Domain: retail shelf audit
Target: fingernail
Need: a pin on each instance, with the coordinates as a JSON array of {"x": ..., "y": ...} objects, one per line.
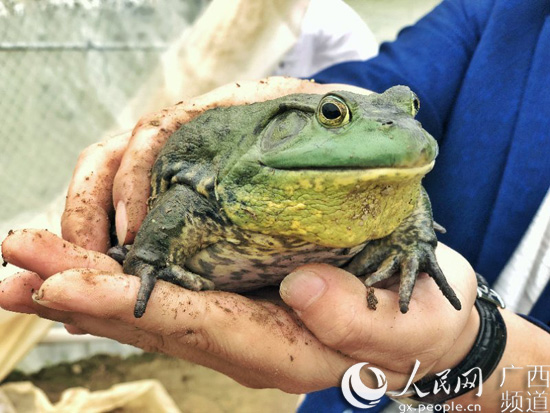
[
  {"x": 38, "y": 298},
  {"x": 121, "y": 222},
  {"x": 301, "y": 289}
]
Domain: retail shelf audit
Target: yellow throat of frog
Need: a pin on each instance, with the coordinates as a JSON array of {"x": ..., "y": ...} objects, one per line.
[{"x": 332, "y": 208}]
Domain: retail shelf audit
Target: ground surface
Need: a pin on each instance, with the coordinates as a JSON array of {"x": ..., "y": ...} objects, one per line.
[{"x": 193, "y": 388}]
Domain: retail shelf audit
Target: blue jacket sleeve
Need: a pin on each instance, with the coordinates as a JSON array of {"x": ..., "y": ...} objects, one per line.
[{"x": 431, "y": 57}]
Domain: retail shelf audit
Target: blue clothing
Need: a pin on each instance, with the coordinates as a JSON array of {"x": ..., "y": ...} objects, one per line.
[{"x": 481, "y": 69}]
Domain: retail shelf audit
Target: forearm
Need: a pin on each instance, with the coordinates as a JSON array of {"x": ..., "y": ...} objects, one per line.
[{"x": 527, "y": 349}]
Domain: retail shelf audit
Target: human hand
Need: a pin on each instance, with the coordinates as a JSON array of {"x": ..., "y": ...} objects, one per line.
[
  {"x": 115, "y": 173},
  {"x": 305, "y": 345}
]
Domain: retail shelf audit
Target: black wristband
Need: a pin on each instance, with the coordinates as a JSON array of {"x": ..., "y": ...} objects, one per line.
[{"x": 485, "y": 353}]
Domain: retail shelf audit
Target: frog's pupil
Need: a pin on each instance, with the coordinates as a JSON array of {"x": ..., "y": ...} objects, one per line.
[{"x": 331, "y": 111}]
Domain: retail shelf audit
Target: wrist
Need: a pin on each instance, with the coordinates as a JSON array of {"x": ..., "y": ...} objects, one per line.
[
  {"x": 462, "y": 346},
  {"x": 483, "y": 357}
]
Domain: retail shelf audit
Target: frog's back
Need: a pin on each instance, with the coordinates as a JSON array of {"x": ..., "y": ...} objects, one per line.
[{"x": 223, "y": 134}]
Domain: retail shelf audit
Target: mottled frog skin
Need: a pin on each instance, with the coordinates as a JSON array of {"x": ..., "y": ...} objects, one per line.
[{"x": 243, "y": 195}]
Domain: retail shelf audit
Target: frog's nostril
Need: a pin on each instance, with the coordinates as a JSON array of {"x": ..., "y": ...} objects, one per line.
[{"x": 387, "y": 123}]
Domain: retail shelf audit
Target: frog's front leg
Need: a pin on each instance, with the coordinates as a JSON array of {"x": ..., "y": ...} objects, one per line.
[
  {"x": 180, "y": 223},
  {"x": 410, "y": 249}
]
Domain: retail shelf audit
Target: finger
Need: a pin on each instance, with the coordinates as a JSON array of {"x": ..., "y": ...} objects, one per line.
[
  {"x": 113, "y": 296},
  {"x": 16, "y": 292},
  {"x": 333, "y": 305},
  {"x": 131, "y": 187},
  {"x": 45, "y": 253},
  {"x": 318, "y": 88},
  {"x": 85, "y": 220}
]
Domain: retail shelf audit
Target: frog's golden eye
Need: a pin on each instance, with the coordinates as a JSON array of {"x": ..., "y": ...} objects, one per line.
[{"x": 332, "y": 112}]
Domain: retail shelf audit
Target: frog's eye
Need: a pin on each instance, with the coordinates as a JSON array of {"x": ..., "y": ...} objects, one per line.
[
  {"x": 415, "y": 105},
  {"x": 332, "y": 112}
]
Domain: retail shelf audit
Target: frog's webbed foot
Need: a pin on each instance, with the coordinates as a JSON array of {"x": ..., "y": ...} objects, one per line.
[
  {"x": 186, "y": 279},
  {"x": 149, "y": 274},
  {"x": 410, "y": 249},
  {"x": 173, "y": 273},
  {"x": 386, "y": 259}
]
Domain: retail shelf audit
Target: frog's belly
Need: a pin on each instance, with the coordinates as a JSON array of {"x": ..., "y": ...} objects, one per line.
[{"x": 250, "y": 265}]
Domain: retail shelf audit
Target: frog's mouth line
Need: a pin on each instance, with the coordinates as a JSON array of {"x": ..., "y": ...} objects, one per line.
[{"x": 359, "y": 173}]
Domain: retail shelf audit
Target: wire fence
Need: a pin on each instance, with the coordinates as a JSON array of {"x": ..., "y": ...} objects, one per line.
[{"x": 67, "y": 68}]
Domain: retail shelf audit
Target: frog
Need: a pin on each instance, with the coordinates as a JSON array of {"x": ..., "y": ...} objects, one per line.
[{"x": 243, "y": 195}]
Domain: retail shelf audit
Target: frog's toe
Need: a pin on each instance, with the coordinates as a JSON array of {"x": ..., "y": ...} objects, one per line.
[
  {"x": 432, "y": 268},
  {"x": 388, "y": 268},
  {"x": 174, "y": 274},
  {"x": 186, "y": 279},
  {"x": 118, "y": 253},
  {"x": 409, "y": 272},
  {"x": 424, "y": 262},
  {"x": 148, "y": 278},
  {"x": 409, "y": 262},
  {"x": 369, "y": 259}
]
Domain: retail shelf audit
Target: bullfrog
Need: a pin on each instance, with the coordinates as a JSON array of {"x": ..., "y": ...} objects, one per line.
[{"x": 243, "y": 195}]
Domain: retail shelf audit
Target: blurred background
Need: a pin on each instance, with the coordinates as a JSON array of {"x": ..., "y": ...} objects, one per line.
[{"x": 75, "y": 71}]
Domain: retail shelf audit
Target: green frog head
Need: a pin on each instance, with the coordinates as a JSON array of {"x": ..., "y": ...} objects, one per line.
[{"x": 346, "y": 130}]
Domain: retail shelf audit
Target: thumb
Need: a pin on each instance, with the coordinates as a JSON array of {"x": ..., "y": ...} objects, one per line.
[{"x": 332, "y": 303}]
